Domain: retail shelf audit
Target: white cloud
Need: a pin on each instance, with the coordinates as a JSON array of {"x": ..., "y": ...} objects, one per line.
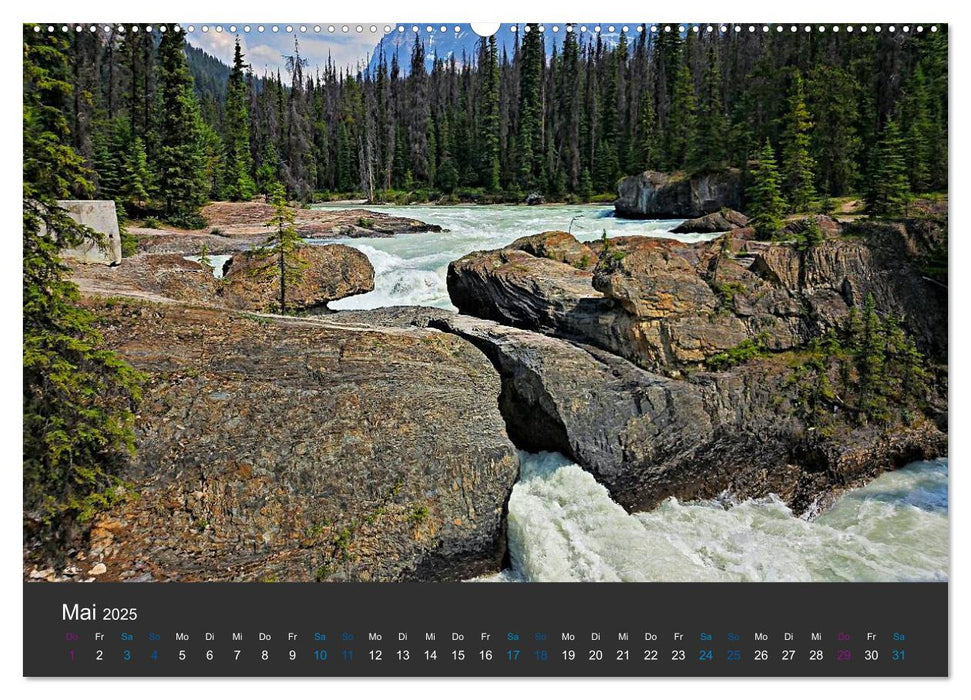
[{"x": 349, "y": 50}]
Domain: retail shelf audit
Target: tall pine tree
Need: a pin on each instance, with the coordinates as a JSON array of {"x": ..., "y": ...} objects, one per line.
[
  {"x": 889, "y": 191},
  {"x": 767, "y": 205},
  {"x": 239, "y": 183},
  {"x": 181, "y": 161},
  {"x": 797, "y": 164}
]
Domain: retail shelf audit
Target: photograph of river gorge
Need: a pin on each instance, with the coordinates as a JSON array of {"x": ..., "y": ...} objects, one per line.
[{"x": 569, "y": 302}]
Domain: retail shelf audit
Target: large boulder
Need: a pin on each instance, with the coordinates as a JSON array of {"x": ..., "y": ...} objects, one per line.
[
  {"x": 657, "y": 195},
  {"x": 557, "y": 245},
  {"x": 724, "y": 220},
  {"x": 330, "y": 272},
  {"x": 297, "y": 450}
]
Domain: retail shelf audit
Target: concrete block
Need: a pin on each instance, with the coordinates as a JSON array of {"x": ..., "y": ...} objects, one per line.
[{"x": 101, "y": 216}]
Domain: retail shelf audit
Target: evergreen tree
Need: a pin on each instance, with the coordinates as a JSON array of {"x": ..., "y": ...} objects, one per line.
[
  {"x": 530, "y": 135},
  {"x": 489, "y": 108},
  {"x": 299, "y": 171},
  {"x": 889, "y": 191},
  {"x": 832, "y": 97},
  {"x": 707, "y": 149},
  {"x": 281, "y": 252},
  {"x": 797, "y": 164},
  {"x": 679, "y": 131},
  {"x": 137, "y": 178},
  {"x": 767, "y": 205},
  {"x": 239, "y": 183},
  {"x": 268, "y": 174},
  {"x": 645, "y": 136},
  {"x": 871, "y": 364},
  {"x": 918, "y": 132},
  {"x": 182, "y": 178},
  {"x": 78, "y": 399}
]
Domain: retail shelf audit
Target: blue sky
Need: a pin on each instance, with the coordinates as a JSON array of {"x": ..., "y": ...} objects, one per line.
[{"x": 352, "y": 48}]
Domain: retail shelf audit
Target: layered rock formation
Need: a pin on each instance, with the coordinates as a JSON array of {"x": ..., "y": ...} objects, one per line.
[
  {"x": 286, "y": 449},
  {"x": 657, "y": 195},
  {"x": 647, "y": 437},
  {"x": 656, "y": 424},
  {"x": 238, "y": 226},
  {"x": 668, "y": 306}
]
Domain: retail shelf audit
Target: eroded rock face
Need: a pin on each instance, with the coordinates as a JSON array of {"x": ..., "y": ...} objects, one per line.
[
  {"x": 332, "y": 272},
  {"x": 667, "y": 306},
  {"x": 647, "y": 437},
  {"x": 657, "y": 195},
  {"x": 161, "y": 277},
  {"x": 295, "y": 450}
]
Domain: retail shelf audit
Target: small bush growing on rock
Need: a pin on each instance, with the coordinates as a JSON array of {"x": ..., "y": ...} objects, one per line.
[
  {"x": 811, "y": 235},
  {"x": 418, "y": 514},
  {"x": 342, "y": 543},
  {"x": 365, "y": 222},
  {"x": 726, "y": 294},
  {"x": 747, "y": 350},
  {"x": 129, "y": 244}
]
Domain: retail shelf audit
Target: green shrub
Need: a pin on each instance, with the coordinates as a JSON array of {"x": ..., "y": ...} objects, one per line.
[
  {"x": 129, "y": 244},
  {"x": 418, "y": 514},
  {"x": 151, "y": 222},
  {"x": 191, "y": 220},
  {"x": 747, "y": 350}
]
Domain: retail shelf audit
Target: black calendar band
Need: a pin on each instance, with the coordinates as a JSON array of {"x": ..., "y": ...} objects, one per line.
[{"x": 629, "y": 629}]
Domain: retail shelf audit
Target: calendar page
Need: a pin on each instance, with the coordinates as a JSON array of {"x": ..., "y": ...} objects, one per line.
[{"x": 449, "y": 349}]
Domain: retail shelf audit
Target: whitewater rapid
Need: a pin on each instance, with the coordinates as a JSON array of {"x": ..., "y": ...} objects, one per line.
[
  {"x": 563, "y": 526},
  {"x": 409, "y": 269}
]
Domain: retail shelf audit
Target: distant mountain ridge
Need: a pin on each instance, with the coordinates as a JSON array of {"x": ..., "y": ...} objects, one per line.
[{"x": 444, "y": 45}]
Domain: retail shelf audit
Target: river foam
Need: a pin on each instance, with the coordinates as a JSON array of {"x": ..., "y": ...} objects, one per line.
[
  {"x": 409, "y": 269},
  {"x": 563, "y": 526}
]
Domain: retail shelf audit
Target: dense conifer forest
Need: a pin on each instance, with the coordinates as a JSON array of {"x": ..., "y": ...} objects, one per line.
[{"x": 164, "y": 127}]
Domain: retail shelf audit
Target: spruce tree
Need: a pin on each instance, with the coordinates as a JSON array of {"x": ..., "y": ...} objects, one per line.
[
  {"x": 918, "y": 132},
  {"x": 797, "y": 164},
  {"x": 78, "y": 399},
  {"x": 137, "y": 178},
  {"x": 680, "y": 129},
  {"x": 530, "y": 140},
  {"x": 182, "y": 181},
  {"x": 280, "y": 254},
  {"x": 489, "y": 108},
  {"x": 707, "y": 148},
  {"x": 299, "y": 172},
  {"x": 767, "y": 205},
  {"x": 239, "y": 183},
  {"x": 645, "y": 146},
  {"x": 832, "y": 97},
  {"x": 889, "y": 191}
]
